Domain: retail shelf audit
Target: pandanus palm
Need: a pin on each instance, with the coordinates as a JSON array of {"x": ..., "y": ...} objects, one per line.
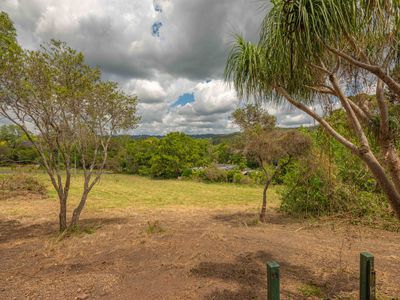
[{"x": 309, "y": 49}]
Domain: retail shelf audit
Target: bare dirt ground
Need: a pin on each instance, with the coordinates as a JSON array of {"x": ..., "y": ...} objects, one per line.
[{"x": 200, "y": 254}]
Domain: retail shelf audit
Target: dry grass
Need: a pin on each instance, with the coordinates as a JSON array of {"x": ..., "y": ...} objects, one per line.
[{"x": 203, "y": 243}]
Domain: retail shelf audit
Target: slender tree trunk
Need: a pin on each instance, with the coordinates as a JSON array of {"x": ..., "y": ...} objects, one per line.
[
  {"x": 264, "y": 203},
  {"x": 394, "y": 166},
  {"x": 63, "y": 214},
  {"x": 392, "y": 161},
  {"x": 384, "y": 180},
  {"x": 78, "y": 210}
]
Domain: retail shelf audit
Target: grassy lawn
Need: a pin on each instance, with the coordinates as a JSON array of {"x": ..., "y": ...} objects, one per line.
[{"x": 123, "y": 191}]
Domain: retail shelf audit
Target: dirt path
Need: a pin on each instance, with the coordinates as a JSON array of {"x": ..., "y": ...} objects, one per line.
[{"x": 201, "y": 254}]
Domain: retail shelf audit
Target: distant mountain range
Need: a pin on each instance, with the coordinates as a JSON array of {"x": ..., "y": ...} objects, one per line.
[
  {"x": 216, "y": 138},
  {"x": 195, "y": 136}
]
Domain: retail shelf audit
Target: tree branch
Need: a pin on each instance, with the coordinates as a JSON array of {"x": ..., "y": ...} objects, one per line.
[{"x": 318, "y": 118}]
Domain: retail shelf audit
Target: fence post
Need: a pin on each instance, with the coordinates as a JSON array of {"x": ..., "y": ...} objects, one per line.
[
  {"x": 273, "y": 280},
  {"x": 367, "y": 276}
]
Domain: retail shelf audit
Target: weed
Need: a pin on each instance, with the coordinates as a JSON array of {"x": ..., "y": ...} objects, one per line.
[
  {"x": 310, "y": 290},
  {"x": 154, "y": 227},
  {"x": 76, "y": 231},
  {"x": 22, "y": 183}
]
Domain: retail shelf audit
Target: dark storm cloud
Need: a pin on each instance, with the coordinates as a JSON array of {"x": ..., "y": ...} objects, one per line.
[
  {"x": 189, "y": 48},
  {"x": 117, "y": 35}
]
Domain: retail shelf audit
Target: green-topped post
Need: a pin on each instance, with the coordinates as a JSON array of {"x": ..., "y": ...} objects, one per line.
[
  {"x": 367, "y": 276},
  {"x": 273, "y": 280}
]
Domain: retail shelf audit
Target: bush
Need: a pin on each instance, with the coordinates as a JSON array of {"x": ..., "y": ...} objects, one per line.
[
  {"x": 213, "y": 174},
  {"x": 311, "y": 188},
  {"x": 258, "y": 177},
  {"x": 22, "y": 183},
  {"x": 237, "y": 177},
  {"x": 306, "y": 191},
  {"x": 187, "y": 173}
]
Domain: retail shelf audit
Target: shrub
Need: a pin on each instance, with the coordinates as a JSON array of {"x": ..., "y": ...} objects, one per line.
[
  {"x": 237, "y": 177},
  {"x": 311, "y": 188},
  {"x": 187, "y": 173},
  {"x": 22, "y": 183},
  {"x": 233, "y": 175},
  {"x": 306, "y": 191},
  {"x": 214, "y": 174},
  {"x": 245, "y": 180},
  {"x": 257, "y": 177}
]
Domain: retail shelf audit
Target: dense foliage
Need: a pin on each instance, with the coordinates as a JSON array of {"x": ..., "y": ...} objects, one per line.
[{"x": 330, "y": 180}]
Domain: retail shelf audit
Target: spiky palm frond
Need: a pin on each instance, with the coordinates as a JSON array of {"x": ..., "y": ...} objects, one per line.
[
  {"x": 294, "y": 36},
  {"x": 246, "y": 68}
]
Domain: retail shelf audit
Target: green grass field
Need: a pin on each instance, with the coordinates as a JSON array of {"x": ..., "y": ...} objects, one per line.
[{"x": 122, "y": 191}]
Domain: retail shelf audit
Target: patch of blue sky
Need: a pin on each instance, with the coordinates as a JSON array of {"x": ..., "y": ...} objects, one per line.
[
  {"x": 184, "y": 99},
  {"x": 155, "y": 28}
]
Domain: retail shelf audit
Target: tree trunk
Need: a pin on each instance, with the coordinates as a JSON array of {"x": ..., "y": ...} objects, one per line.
[
  {"x": 77, "y": 211},
  {"x": 264, "y": 203},
  {"x": 392, "y": 161},
  {"x": 63, "y": 214},
  {"x": 384, "y": 181}
]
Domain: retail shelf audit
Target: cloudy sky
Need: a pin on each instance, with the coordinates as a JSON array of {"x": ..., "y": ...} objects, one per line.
[{"x": 170, "y": 53}]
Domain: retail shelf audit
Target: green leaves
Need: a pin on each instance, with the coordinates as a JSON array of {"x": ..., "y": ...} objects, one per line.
[
  {"x": 295, "y": 36},
  {"x": 8, "y": 34},
  {"x": 245, "y": 67}
]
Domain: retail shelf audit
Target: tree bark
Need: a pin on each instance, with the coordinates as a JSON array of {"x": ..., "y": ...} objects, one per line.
[
  {"x": 63, "y": 214},
  {"x": 392, "y": 161},
  {"x": 264, "y": 203},
  {"x": 385, "y": 139},
  {"x": 78, "y": 210},
  {"x": 393, "y": 85},
  {"x": 384, "y": 181}
]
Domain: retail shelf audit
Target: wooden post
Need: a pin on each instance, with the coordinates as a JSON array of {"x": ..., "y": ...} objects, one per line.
[
  {"x": 367, "y": 276},
  {"x": 273, "y": 280}
]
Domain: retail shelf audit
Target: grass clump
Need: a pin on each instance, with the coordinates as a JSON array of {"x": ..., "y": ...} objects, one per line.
[
  {"x": 17, "y": 183},
  {"x": 310, "y": 290},
  {"x": 76, "y": 231},
  {"x": 154, "y": 227}
]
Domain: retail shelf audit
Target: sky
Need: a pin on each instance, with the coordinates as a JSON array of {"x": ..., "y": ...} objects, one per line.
[{"x": 170, "y": 53}]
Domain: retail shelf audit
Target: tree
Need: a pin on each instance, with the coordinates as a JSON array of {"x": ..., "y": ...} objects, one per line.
[
  {"x": 269, "y": 146},
  {"x": 324, "y": 51},
  {"x": 176, "y": 152},
  {"x": 139, "y": 154},
  {"x": 64, "y": 108}
]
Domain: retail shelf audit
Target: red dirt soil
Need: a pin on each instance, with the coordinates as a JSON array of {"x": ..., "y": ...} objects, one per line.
[{"x": 200, "y": 254}]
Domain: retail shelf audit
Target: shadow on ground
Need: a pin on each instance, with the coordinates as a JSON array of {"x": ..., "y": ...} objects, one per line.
[
  {"x": 251, "y": 219},
  {"x": 15, "y": 230},
  {"x": 249, "y": 272}
]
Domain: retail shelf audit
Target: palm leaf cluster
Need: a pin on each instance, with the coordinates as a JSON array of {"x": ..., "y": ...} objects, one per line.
[{"x": 297, "y": 34}]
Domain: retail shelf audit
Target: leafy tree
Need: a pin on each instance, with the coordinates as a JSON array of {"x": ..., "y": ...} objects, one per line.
[
  {"x": 326, "y": 51},
  {"x": 176, "y": 152},
  {"x": 226, "y": 153},
  {"x": 272, "y": 148},
  {"x": 64, "y": 108},
  {"x": 139, "y": 155}
]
